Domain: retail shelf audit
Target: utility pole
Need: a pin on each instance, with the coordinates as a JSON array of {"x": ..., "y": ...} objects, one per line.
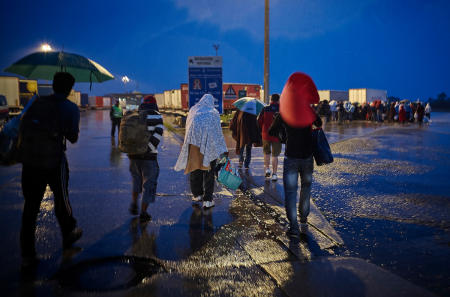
[
  {"x": 266, "y": 53},
  {"x": 216, "y": 47}
]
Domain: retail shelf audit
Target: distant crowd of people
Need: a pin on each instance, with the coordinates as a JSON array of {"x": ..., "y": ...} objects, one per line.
[{"x": 376, "y": 111}]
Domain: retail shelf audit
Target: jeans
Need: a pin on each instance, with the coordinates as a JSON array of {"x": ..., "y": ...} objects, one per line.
[
  {"x": 292, "y": 167},
  {"x": 248, "y": 155},
  {"x": 145, "y": 174},
  {"x": 202, "y": 182}
]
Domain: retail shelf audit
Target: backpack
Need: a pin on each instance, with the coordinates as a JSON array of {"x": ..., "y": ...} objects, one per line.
[
  {"x": 134, "y": 135},
  {"x": 9, "y": 137},
  {"x": 41, "y": 142}
]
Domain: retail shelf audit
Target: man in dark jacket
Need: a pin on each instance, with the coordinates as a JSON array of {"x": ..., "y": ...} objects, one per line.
[
  {"x": 271, "y": 144},
  {"x": 144, "y": 168},
  {"x": 45, "y": 126},
  {"x": 245, "y": 131}
]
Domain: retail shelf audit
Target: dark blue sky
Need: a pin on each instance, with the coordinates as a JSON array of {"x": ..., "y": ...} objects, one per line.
[{"x": 400, "y": 46}]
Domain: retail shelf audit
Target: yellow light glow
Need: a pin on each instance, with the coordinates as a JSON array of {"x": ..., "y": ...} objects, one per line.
[{"x": 45, "y": 47}]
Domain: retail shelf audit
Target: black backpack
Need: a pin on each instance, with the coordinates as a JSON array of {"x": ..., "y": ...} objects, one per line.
[{"x": 41, "y": 142}]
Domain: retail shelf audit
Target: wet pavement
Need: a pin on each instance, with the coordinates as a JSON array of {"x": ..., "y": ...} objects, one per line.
[{"x": 384, "y": 201}]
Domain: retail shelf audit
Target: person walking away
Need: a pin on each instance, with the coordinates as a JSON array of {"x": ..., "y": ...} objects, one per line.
[
  {"x": 428, "y": 111},
  {"x": 420, "y": 110},
  {"x": 271, "y": 144},
  {"x": 203, "y": 145},
  {"x": 402, "y": 115},
  {"x": 144, "y": 168},
  {"x": 324, "y": 111},
  {"x": 296, "y": 118},
  {"x": 115, "y": 114},
  {"x": 245, "y": 131},
  {"x": 45, "y": 126}
]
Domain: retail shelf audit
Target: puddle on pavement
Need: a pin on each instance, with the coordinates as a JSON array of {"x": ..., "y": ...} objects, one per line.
[{"x": 108, "y": 274}]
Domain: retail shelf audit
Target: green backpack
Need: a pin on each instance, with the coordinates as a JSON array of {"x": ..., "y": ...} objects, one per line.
[{"x": 134, "y": 135}]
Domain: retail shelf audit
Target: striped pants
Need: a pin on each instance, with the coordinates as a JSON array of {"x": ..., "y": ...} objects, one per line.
[{"x": 34, "y": 183}]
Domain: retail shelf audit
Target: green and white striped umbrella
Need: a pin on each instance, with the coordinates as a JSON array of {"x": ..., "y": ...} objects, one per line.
[
  {"x": 250, "y": 105},
  {"x": 44, "y": 65}
]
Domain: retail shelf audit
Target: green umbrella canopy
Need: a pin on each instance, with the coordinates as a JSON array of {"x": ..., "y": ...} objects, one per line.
[{"x": 44, "y": 65}]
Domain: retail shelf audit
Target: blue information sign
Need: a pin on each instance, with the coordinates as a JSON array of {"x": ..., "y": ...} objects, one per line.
[{"x": 205, "y": 77}]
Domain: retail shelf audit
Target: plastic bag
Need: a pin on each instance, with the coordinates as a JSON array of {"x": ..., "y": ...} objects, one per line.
[{"x": 228, "y": 175}]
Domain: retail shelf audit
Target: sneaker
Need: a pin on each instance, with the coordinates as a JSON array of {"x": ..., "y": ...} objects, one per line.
[
  {"x": 208, "y": 204},
  {"x": 197, "y": 198},
  {"x": 274, "y": 177},
  {"x": 303, "y": 228},
  {"x": 72, "y": 237},
  {"x": 133, "y": 209},
  {"x": 293, "y": 233},
  {"x": 144, "y": 217},
  {"x": 268, "y": 173}
]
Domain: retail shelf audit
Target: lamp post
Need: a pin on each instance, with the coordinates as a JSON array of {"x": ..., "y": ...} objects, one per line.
[
  {"x": 216, "y": 47},
  {"x": 266, "y": 53}
]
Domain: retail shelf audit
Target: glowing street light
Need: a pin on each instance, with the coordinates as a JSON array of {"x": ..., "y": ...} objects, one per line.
[
  {"x": 125, "y": 79},
  {"x": 45, "y": 47}
]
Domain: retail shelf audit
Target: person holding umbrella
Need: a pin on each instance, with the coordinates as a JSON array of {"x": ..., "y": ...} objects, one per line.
[
  {"x": 45, "y": 126},
  {"x": 245, "y": 129},
  {"x": 296, "y": 117}
]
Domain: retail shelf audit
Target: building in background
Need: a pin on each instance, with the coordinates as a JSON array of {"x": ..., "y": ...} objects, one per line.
[
  {"x": 362, "y": 96},
  {"x": 331, "y": 95}
]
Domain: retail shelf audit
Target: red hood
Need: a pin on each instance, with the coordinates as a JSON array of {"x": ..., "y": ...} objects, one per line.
[{"x": 298, "y": 94}]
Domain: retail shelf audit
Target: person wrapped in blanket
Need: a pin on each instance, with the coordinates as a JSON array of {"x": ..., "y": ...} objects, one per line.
[{"x": 203, "y": 145}]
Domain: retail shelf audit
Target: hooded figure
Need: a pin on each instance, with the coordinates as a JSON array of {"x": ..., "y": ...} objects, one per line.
[
  {"x": 298, "y": 94},
  {"x": 245, "y": 131},
  {"x": 203, "y": 144}
]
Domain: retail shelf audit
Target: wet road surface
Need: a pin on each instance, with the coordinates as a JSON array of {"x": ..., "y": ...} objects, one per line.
[{"x": 237, "y": 248}]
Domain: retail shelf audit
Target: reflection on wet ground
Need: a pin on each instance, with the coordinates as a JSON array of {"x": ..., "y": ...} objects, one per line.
[{"x": 386, "y": 195}]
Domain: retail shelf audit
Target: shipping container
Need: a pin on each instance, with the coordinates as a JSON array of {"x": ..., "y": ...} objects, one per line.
[
  {"x": 167, "y": 100},
  {"x": 74, "y": 96},
  {"x": 184, "y": 96},
  {"x": 92, "y": 101},
  {"x": 9, "y": 87},
  {"x": 234, "y": 91},
  {"x": 98, "y": 101},
  {"x": 27, "y": 89},
  {"x": 362, "y": 96},
  {"x": 84, "y": 100},
  {"x": 45, "y": 89},
  {"x": 175, "y": 96},
  {"x": 106, "y": 102},
  {"x": 160, "y": 100},
  {"x": 331, "y": 95}
]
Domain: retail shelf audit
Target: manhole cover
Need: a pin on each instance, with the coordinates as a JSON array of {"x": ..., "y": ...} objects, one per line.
[{"x": 108, "y": 274}]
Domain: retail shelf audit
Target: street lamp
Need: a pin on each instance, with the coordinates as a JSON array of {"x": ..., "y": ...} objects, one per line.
[
  {"x": 216, "y": 47},
  {"x": 125, "y": 79},
  {"x": 266, "y": 53},
  {"x": 45, "y": 47}
]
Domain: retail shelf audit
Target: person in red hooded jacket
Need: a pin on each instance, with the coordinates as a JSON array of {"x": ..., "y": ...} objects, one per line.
[
  {"x": 296, "y": 118},
  {"x": 271, "y": 144}
]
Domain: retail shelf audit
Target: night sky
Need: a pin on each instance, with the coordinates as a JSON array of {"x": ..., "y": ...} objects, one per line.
[{"x": 400, "y": 46}]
